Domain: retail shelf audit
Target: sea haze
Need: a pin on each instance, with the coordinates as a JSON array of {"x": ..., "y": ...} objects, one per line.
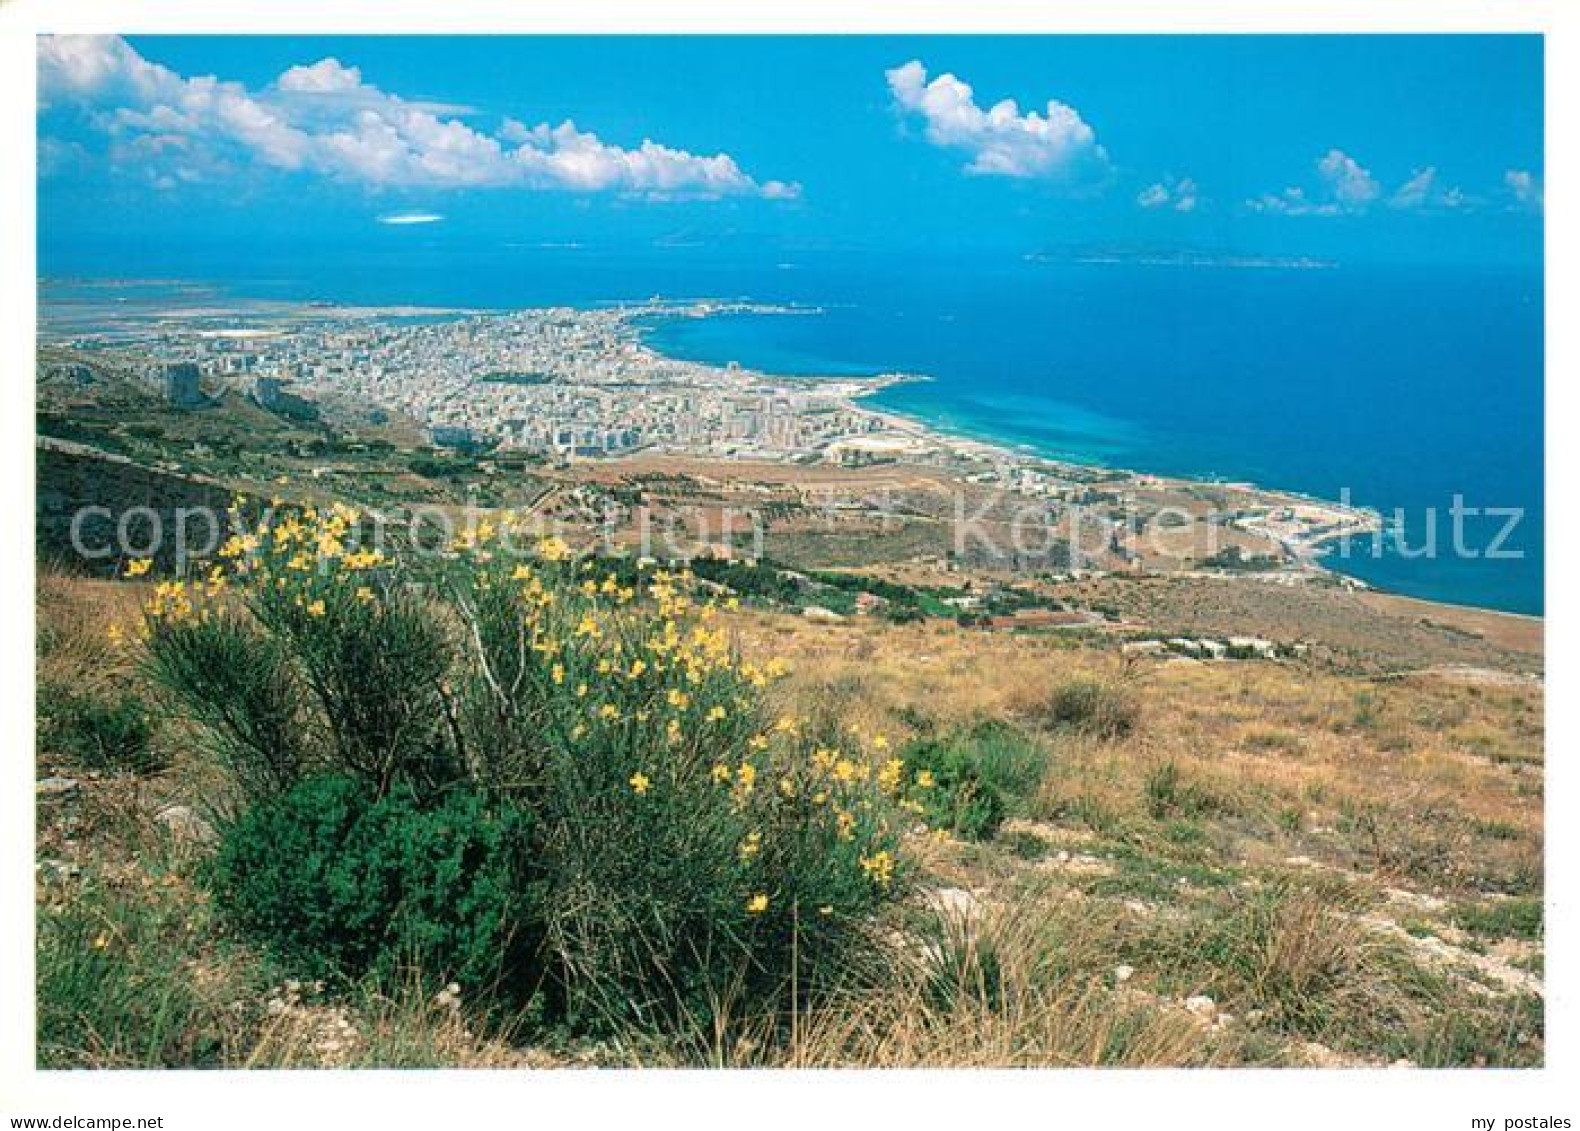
[{"x": 1403, "y": 386}]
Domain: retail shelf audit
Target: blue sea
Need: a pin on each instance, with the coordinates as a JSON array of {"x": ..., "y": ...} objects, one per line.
[{"x": 1398, "y": 388}]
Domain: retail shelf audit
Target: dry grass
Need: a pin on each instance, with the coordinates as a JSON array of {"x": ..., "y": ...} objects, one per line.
[{"x": 1327, "y": 856}]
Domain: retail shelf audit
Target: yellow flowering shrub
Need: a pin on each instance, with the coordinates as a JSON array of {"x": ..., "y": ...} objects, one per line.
[{"x": 690, "y": 846}]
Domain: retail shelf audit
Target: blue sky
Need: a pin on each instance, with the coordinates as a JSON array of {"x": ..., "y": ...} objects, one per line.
[{"x": 1409, "y": 149}]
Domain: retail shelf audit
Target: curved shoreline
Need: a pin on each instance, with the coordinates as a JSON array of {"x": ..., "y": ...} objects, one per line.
[{"x": 1306, "y": 552}]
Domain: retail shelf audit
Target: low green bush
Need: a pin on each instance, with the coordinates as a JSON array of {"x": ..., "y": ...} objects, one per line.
[
  {"x": 337, "y": 881},
  {"x": 1092, "y": 707},
  {"x": 104, "y": 734},
  {"x": 970, "y": 779}
]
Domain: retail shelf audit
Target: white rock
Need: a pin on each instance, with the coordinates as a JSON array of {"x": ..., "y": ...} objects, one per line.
[
  {"x": 55, "y": 787},
  {"x": 1123, "y": 974},
  {"x": 1202, "y": 1006}
]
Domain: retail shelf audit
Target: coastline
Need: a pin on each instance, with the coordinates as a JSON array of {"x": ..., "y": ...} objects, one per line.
[
  {"x": 1306, "y": 551},
  {"x": 1315, "y": 523}
]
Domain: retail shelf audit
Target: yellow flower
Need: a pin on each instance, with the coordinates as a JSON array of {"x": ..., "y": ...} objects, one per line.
[
  {"x": 746, "y": 776},
  {"x": 751, "y": 845},
  {"x": 557, "y": 673},
  {"x": 879, "y": 867},
  {"x": 139, "y": 566},
  {"x": 637, "y": 668},
  {"x": 364, "y": 593},
  {"x": 721, "y": 772},
  {"x": 116, "y": 635},
  {"x": 678, "y": 699},
  {"x": 716, "y": 715},
  {"x": 101, "y": 940},
  {"x": 608, "y": 711},
  {"x": 826, "y": 909},
  {"x": 880, "y": 742},
  {"x": 925, "y": 779},
  {"x": 640, "y": 783},
  {"x": 553, "y": 550},
  {"x": 757, "y": 904},
  {"x": 316, "y": 608},
  {"x": 889, "y": 775}
]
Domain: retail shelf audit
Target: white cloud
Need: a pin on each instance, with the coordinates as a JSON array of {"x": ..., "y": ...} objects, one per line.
[
  {"x": 1153, "y": 196},
  {"x": 1523, "y": 187},
  {"x": 1181, "y": 195},
  {"x": 399, "y": 218},
  {"x": 327, "y": 76},
  {"x": 1352, "y": 186},
  {"x": 1346, "y": 188},
  {"x": 1424, "y": 190},
  {"x": 325, "y": 119},
  {"x": 1001, "y": 141},
  {"x": 1291, "y": 202}
]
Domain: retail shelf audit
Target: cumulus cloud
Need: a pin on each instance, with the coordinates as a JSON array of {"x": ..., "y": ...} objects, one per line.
[
  {"x": 1000, "y": 141},
  {"x": 1346, "y": 187},
  {"x": 1180, "y": 195},
  {"x": 325, "y": 119},
  {"x": 1351, "y": 185},
  {"x": 1524, "y": 189}
]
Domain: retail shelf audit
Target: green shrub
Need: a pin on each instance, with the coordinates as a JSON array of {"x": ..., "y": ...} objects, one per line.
[
  {"x": 1102, "y": 710},
  {"x": 1010, "y": 761},
  {"x": 340, "y": 882},
  {"x": 544, "y": 751},
  {"x": 238, "y": 684},
  {"x": 968, "y": 780},
  {"x": 372, "y": 660},
  {"x": 104, "y": 734}
]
